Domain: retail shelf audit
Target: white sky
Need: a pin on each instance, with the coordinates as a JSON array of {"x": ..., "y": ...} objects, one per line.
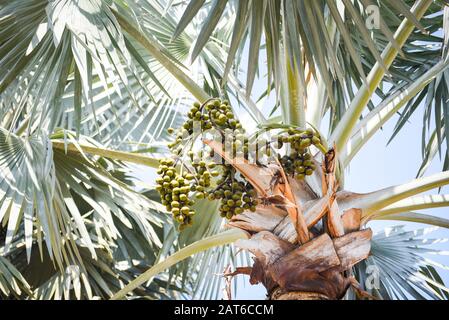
[{"x": 376, "y": 166}]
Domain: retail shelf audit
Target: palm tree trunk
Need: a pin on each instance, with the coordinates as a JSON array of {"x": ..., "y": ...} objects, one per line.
[
  {"x": 279, "y": 294},
  {"x": 313, "y": 270}
]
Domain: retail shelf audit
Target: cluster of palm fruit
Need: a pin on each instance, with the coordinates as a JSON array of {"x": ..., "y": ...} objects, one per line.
[
  {"x": 206, "y": 179},
  {"x": 237, "y": 143},
  {"x": 299, "y": 162},
  {"x": 221, "y": 181},
  {"x": 220, "y": 114},
  {"x": 203, "y": 174},
  {"x": 174, "y": 191},
  {"x": 214, "y": 113},
  {"x": 235, "y": 193}
]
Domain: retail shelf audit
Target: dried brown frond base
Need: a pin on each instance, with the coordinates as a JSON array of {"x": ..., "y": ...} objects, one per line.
[
  {"x": 316, "y": 269},
  {"x": 304, "y": 244}
]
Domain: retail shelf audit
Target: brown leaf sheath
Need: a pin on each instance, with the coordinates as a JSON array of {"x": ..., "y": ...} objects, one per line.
[
  {"x": 351, "y": 219},
  {"x": 261, "y": 178},
  {"x": 315, "y": 267},
  {"x": 295, "y": 213}
]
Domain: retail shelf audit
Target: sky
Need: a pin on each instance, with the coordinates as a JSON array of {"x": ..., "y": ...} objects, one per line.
[
  {"x": 376, "y": 166},
  {"x": 379, "y": 165}
]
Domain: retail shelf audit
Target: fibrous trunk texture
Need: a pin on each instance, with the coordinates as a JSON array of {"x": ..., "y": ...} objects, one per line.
[
  {"x": 317, "y": 267},
  {"x": 279, "y": 294}
]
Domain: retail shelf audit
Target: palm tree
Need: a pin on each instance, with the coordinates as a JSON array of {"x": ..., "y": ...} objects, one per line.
[{"x": 89, "y": 88}]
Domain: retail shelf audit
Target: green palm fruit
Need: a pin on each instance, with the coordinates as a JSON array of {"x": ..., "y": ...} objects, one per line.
[
  {"x": 308, "y": 163},
  {"x": 305, "y": 143},
  {"x": 300, "y": 169},
  {"x": 185, "y": 210},
  {"x": 200, "y": 195},
  {"x": 236, "y": 196},
  {"x": 222, "y": 118},
  {"x": 232, "y": 188},
  {"x": 215, "y": 173},
  {"x": 268, "y": 152}
]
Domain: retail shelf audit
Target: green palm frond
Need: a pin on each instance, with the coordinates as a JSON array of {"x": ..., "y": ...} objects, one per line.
[
  {"x": 331, "y": 37},
  {"x": 201, "y": 275},
  {"x": 306, "y": 27},
  {"x": 435, "y": 129},
  {"x": 12, "y": 282},
  {"x": 435, "y": 281},
  {"x": 397, "y": 259},
  {"x": 56, "y": 194},
  {"x": 88, "y": 278},
  {"x": 421, "y": 53},
  {"x": 160, "y": 24},
  {"x": 66, "y": 46},
  {"x": 204, "y": 271},
  {"x": 113, "y": 75}
]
